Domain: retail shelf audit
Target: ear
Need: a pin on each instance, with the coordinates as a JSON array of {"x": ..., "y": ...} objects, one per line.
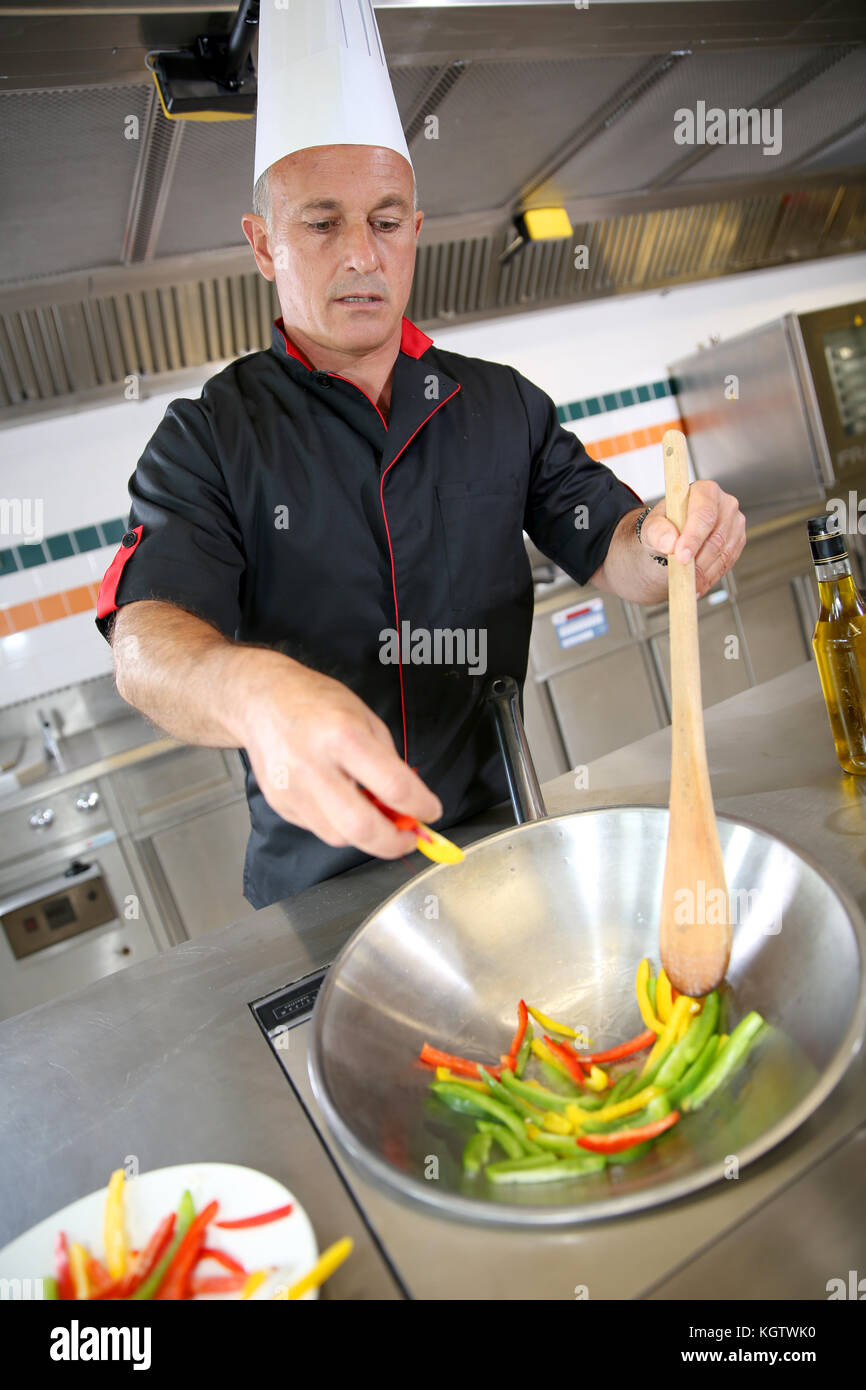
[
  {"x": 256, "y": 234},
  {"x": 419, "y": 218}
]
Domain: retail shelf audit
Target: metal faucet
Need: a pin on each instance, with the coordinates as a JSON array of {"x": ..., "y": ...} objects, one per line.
[{"x": 49, "y": 742}]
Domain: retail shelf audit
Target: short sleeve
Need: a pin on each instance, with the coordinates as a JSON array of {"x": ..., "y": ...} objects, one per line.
[
  {"x": 573, "y": 503},
  {"x": 188, "y": 548}
]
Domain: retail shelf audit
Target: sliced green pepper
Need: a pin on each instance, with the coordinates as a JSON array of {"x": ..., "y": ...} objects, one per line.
[
  {"x": 476, "y": 1153},
  {"x": 702, "y": 1027},
  {"x": 524, "y": 1052},
  {"x": 729, "y": 1057},
  {"x": 620, "y": 1088},
  {"x": 508, "y": 1096},
  {"x": 485, "y": 1105},
  {"x": 510, "y": 1145},
  {"x": 539, "y": 1096},
  {"x": 696, "y": 1072},
  {"x": 629, "y": 1155},
  {"x": 185, "y": 1218},
  {"x": 462, "y": 1104},
  {"x": 551, "y": 1170}
]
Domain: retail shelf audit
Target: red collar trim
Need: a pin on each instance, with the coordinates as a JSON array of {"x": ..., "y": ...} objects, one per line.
[{"x": 412, "y": 341}]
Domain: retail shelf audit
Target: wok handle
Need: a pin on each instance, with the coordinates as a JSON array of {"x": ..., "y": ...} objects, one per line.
[{"x": 523, "y": 782}]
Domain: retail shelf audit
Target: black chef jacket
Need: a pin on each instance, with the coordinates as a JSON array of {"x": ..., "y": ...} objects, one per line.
[{"x": 281, "y": 508}]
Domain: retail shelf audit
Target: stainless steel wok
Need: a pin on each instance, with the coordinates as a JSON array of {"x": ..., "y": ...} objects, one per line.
[{"x": 560, "y": 910}]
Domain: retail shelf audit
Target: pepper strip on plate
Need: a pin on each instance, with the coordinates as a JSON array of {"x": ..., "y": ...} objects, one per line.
[
  {"x": 65, "y": 1287},
  {"x": 324, "y": 1267},
  {"x": 222, "y": 1257},
  {"x": 114, "y": 1233},
  {"x": 185, "y": 1216},
  {"x": 175, "y": 1284},
  {"x": 264, "y": 1218},
  {"x": 627, "y": 1138}
]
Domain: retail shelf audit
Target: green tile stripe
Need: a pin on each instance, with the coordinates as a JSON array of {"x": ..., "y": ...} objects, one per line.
[
  {"x": 61, "y": 546},
  {"x": 614, "y": 400}
]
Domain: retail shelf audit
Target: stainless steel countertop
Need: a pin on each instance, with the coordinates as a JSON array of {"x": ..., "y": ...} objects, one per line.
[{"x": 165, "y": 1061}]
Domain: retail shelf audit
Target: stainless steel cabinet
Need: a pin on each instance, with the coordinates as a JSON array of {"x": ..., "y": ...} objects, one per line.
[
  {"x": 773, "y": 631},
  {"x": 601, "y": 705},
  {"x": 172, "y": 787},
  {"x": 196, "y": 869},
  {"x": 722, "y": 674}
]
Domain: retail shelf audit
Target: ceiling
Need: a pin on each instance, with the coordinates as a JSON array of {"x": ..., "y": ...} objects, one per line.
[{"x": 124, "y": 256}]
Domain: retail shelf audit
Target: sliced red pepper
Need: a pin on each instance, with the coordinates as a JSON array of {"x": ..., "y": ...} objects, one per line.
[
  {"x": 508, "y": 1062},
  {"x": 218, "y": 1283},
  {"x": 222, "y": 1258},
  {"x": 262, "y": 1219},
  {"x": 143, "y": 1263},
  {"x": 65, "y": 1287},
  {"x": 522, "y": 1021},
  {"x": 175, "y": 1284},
  {"x": 98, "y": 1278},
  {"x": 627, "y": 1138},
  {"x": 568, "y": 1059},
  {"x": 614, "y": 1054},
  {"x": 432, "y": 1057}
]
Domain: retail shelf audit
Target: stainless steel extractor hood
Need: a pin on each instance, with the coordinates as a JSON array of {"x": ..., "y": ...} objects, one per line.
[{"x": 120, "y": 245}]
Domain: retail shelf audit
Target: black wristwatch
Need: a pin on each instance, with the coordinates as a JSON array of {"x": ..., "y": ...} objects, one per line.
[{"x": 639, "y": 521}]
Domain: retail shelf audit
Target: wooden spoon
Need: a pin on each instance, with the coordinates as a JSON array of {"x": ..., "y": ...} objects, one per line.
[{"x": 695, "y": 928}]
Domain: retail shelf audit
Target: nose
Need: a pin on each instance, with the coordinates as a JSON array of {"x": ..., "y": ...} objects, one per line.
[{"x": 359, "y": 248}]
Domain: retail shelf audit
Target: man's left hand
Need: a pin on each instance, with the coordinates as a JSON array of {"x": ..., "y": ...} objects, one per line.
[{"x": 714, "y": 533}]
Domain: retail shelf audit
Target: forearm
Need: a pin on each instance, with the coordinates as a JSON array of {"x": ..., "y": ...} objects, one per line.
[
  {"x": 629, "y": 569},
  {"x": 186, "y": 677}
]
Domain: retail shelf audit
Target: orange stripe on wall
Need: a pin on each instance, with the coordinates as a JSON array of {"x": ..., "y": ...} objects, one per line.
[
  {"x": 601, "y": 449},
  {"x": 18, "y": 617}
]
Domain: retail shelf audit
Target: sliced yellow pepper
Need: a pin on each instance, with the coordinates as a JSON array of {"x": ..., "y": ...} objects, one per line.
[
  {"x": 694, "y": 1008},
  {"x": 664, "y": 997},
  {"x": 78, "y": 1270},
  {"x": 257, "y": 1277},
  {"x": 643, "y": 999},
  {"x": 680, "y": 1010},
  {"x": 446, "y": 1074},
  {"x": 613, "y": 1112},
  {"x": 551, "y": 1025},
  {"x": 597, "y": 1080},
  {"x": 322, "y": 1269},
  {"x": 555, "y": 1123},
  {"x": 114, "y": 1233}
]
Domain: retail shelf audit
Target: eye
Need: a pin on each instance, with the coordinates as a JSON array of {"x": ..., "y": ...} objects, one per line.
[
  {"x": 320, "y": 226},
  {"x": 387, "y": 225}
]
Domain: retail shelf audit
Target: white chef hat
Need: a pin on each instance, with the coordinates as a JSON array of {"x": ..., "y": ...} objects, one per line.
[{"x": 322, "y": 80}]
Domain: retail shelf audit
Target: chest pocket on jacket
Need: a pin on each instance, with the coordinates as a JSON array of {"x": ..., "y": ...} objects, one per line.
[{"x": 483, "y": 535}]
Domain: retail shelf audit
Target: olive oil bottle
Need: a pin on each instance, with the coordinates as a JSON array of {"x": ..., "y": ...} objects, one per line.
[{"x": 839, "y": 642}]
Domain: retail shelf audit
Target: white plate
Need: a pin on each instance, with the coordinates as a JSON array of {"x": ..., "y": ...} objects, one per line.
[{"x": 289, "y": 1243}]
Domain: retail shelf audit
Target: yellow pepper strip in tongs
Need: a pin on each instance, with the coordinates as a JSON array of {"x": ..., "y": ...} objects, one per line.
[
  {"x": 114, "y": 1232},
  {"x": 551, "y": 1026},
  {"x": 324, "y": 1267},
  {"x": 78, "y": 1270},
  {"x": 643, "y": 999},
  {"x": 446, "y": 1074}
]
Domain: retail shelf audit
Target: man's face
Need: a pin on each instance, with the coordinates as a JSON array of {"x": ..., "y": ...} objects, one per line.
[{"x": 341, "y": 244}]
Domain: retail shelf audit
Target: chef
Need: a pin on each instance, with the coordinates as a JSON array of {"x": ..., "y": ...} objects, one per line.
[{"x": 325, "y": 562}]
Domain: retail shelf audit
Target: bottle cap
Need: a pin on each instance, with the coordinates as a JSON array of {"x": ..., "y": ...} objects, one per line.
[{"x": 826, "y": 541}]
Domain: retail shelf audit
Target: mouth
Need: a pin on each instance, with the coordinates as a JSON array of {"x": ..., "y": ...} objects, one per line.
[{"x": 360, "y": 299}]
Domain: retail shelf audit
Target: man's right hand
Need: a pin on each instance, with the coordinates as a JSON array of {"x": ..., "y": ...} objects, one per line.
[
  {"x": 310, "y": 741},
  {"x": 309, "y": 738}
]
